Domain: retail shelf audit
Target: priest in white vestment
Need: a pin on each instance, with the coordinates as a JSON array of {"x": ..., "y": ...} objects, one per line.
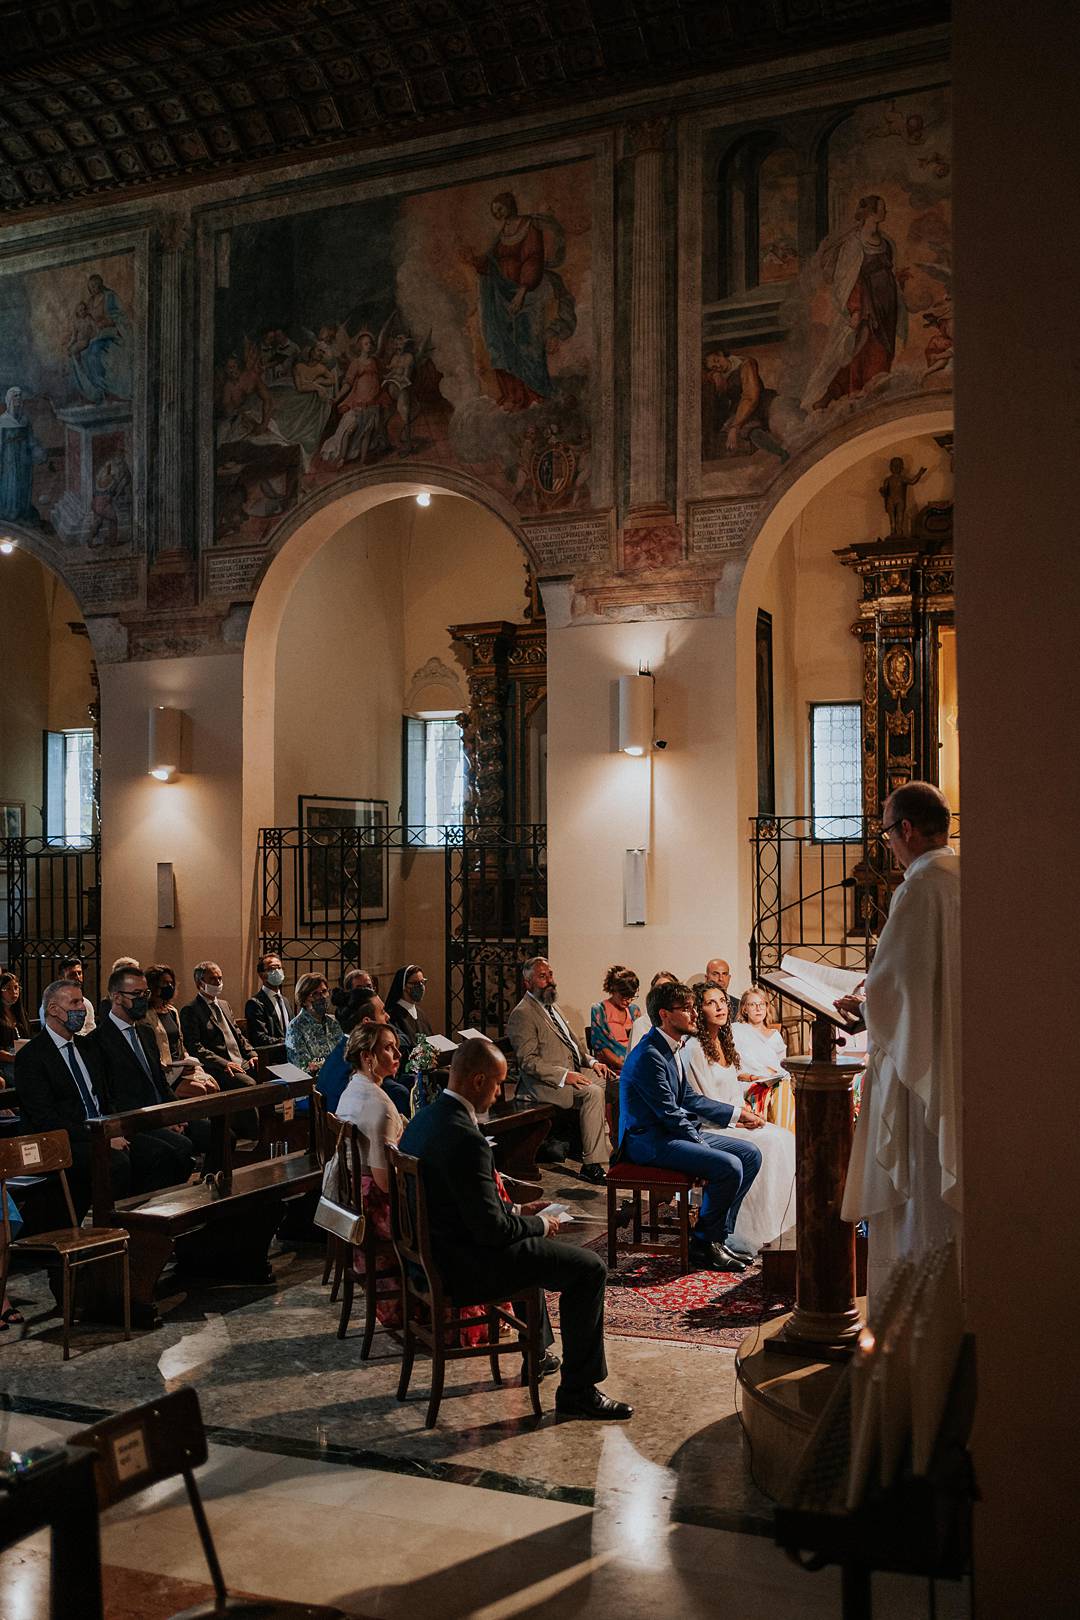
[{"x": 905, "y": 1173}]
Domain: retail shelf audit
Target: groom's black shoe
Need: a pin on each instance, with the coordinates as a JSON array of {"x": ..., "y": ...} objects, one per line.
[
  {"x": 591, "y": 1403},
  {"x": 717, "y": 1257}
]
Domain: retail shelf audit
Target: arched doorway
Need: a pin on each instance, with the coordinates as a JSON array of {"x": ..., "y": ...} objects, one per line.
[
  {"x": 803, "y": 687},
  {"x": 49, "y": 821},
  {"x": 353, "y": 689}
]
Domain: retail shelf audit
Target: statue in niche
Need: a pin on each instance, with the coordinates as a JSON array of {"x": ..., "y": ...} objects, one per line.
[{"x": 894, "y": 495}]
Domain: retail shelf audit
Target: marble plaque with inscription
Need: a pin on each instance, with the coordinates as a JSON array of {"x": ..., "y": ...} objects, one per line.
[
  {"x": 233, "y": 575},
  {"x": 564, "y": 545},
  {"x": 717, "y": 527},
  {"x": 99, "y": 585}
]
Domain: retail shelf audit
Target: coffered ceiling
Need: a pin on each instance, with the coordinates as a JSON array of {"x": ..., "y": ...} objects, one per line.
[{"x": 104, "y": 96}]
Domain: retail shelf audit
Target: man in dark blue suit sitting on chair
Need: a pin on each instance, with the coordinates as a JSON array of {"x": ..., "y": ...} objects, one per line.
[{"x": 657, "y": 1112}]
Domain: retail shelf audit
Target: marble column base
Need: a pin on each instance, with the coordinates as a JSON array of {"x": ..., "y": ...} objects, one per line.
[{"x": 781, "y": 1398}]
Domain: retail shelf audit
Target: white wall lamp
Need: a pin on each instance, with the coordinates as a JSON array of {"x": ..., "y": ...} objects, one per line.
[
  {"x": 636, "y": 700},
  {"x": 7, "y": 546},
  {"x": 164, "y": 752}
]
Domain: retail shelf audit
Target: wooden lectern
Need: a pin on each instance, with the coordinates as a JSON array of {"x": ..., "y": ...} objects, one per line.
[{"x": 825, "y": 1322}]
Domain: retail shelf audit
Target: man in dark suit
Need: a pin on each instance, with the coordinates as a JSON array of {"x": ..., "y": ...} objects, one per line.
[
  {"x": 267, "y": 1013},
  {"x": 657, "y": 1110},
  {"x": 484, "y": 1248},
  {"x": 210, "y": 1032},
  {"x": 718, "y": 977},
  {"x": 134, "y": 1078},
  {"x": 61, "y": 1085}
]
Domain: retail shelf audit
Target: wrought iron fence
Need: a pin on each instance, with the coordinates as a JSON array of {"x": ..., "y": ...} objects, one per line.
[
  {"x": 319, "y": 888},
  {"x": 496, "y": 915},
  {"x": 819, "y": 896},
  {"x": 50, "y": 907}
]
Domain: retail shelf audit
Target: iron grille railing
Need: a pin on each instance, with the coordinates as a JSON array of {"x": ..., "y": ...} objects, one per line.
[
  {"x": 819, "y": 893},
  {"x": 50, "y": 907},
  {"x": 496, "y": 916}
]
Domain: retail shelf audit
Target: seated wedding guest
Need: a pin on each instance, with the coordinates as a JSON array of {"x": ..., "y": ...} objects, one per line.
[
  {"x": 762, "y": 1050},
  {"x": 360, "y": 1007},
  {"x": 711, "y": 1065},
  {"x": 358, "y": 978},
  {"x": 642, "y": 1025},
  {"x": 164, "y": 1020},
  {"x": 718, "y": 974},
  {"x": 104, "y": 1006},
  {"x": 210, "y": 1032},
  {"x": 484, "y": 1250},
  {"x": 128, "y": 1052},
  {"x": 267, "y": 1014},
  {"x": 661, "y": 1116},
  {"x": 403, "y": 1005},
  {"x": 61, "y": 1083},
  {"x": 314, "y": 1032},
  {"x": 13, "y": 1024},
  {"x": 552, "y": 1063},
  {"x": 373, "y": 1056},
  {"x": 612, "y": 1019},
  {"x": 71, "y": 967}
]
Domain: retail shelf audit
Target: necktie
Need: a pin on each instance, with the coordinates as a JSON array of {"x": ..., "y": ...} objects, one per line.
[
  {"x": 232, "y": 1050},
  {"x": 564, "y": 1031},
  {"x": 89, "y": 1101},
  {"x": 136, "y": 1047}
]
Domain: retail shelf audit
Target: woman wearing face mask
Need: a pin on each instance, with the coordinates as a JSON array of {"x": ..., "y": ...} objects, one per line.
[
  {"x": 164, "y": 1020},
  {"x": 403, "y": 1005},
  {"x": 13, "y": 1024},
  {"x": 314, "y": 1032}
]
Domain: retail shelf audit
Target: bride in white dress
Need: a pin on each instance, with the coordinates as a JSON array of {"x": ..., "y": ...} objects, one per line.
[{"x": 711, "y": 1065}]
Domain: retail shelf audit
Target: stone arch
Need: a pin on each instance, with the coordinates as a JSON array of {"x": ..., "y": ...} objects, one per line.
[
  {"x": 52, "y": 555},
  {"x": 291, "y": 545},
  {"x": 848, "y": 444}
]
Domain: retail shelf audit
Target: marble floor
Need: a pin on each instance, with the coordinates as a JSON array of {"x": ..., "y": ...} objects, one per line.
[{"x": 320, "y": 1486}]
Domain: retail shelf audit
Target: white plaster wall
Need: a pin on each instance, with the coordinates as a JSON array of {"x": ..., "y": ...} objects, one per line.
[
  {"x": 599, "y": 803},
  {"x": 193, "y": 822}
]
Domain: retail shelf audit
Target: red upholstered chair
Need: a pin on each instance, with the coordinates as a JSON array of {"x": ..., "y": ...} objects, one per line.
[{"x": 663, "y": 1187}]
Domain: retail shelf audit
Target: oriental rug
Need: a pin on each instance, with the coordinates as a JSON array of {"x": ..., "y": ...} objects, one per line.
[{"x": 648, "y": 1297}]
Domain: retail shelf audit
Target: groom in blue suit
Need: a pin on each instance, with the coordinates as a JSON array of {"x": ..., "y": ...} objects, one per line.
[{"x": 657, "y": 1112}]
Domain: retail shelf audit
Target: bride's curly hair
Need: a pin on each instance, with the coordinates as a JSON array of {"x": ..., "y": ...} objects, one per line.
[{"x": 718, "y": 1045}]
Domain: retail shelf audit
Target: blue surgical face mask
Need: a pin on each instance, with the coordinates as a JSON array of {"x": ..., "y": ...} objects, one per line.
[
  {"x": 415, "y": 992},
  {"x": 74, "y": 1019}
]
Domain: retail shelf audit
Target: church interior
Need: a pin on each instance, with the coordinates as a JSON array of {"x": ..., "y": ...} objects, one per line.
[{"x": 484, "y": 484}]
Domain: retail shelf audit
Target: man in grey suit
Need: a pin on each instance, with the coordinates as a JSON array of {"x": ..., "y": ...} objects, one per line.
[{"x": 555, "y": 1065}]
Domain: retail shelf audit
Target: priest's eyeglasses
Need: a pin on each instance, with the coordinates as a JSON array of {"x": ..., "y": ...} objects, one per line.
[{"x": 885, "y": 831}]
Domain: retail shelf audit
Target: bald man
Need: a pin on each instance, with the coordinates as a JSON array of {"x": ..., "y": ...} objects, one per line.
[
  {"x": 718, "y": 977},
  {"x": 486, "y": 1249}
]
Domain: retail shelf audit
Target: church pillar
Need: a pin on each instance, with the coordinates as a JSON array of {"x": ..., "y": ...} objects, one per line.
[
  {"x": 1018, "y": 571},
  {"x": 649, "y": 357}
]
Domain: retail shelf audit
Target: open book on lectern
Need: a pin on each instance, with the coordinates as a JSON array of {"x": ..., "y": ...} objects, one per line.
[{"x": 813, "y": 986}]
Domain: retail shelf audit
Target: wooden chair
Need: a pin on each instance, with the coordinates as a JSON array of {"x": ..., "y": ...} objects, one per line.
[
  {"x": 327, "y": 1126},
  {"x": 663, "y": 1186},
  {"x": 380, "y": 1259},
  {"x": 150, "y": 1443},
  {"x": 72, "y": 1246},
  {"x": 423, "y": 1296}
]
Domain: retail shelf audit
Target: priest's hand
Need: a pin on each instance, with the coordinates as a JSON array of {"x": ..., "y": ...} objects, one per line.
[
  {"x": 751, "y": 1119},
  {"x": 850, "y": 1006}
]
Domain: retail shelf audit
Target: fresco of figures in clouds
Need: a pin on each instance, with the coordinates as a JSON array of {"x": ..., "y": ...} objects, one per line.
[
  {"x": 450, "y": 326},
  {"x": 801, "y": 333},
  {"x": 66, "y": 385}
]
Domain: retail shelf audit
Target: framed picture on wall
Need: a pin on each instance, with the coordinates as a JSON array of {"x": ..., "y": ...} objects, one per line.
[
  {"x": 344, "y": 861},
  {"x": 766, "y": 746},
  {"x": 12, "y": 819}
]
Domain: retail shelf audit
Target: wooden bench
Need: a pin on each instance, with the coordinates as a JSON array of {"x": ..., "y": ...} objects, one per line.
[{"x": 221, "y": 1229}]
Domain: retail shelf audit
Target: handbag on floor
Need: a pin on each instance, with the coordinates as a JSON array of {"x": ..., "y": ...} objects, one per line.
[{"x": 330, "y": 1213}]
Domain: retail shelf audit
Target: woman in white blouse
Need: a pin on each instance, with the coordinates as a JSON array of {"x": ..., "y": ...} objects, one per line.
[
  {"x": 711, "y": 1065},
  {"x": 762, "y": 1054},
  {"x": 372, "y": 1054}
]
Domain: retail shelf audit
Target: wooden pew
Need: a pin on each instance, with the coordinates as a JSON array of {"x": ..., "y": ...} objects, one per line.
[{"x": 221, "y": 1230}]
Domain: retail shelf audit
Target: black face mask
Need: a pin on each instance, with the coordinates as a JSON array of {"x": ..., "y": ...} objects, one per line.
[
  {"x": 139, "y": 1007},
  {"x": 415, "y": 992},
  {"x": 166, "y": 992}
]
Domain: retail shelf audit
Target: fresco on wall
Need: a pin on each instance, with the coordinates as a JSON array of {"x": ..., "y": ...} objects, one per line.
[
  {"x": 66, "y": 387},
  {"x": 865, "y": 316},
  {"x": 451, "y": 326}
]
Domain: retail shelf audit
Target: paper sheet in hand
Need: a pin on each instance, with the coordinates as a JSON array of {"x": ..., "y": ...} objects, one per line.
[
  {"x": 472, "y": 1035},
  {"x": 287, "y": 1071},
  {"x": 441, "y": 1044},
  {"x": 559, "y": 1211}
]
